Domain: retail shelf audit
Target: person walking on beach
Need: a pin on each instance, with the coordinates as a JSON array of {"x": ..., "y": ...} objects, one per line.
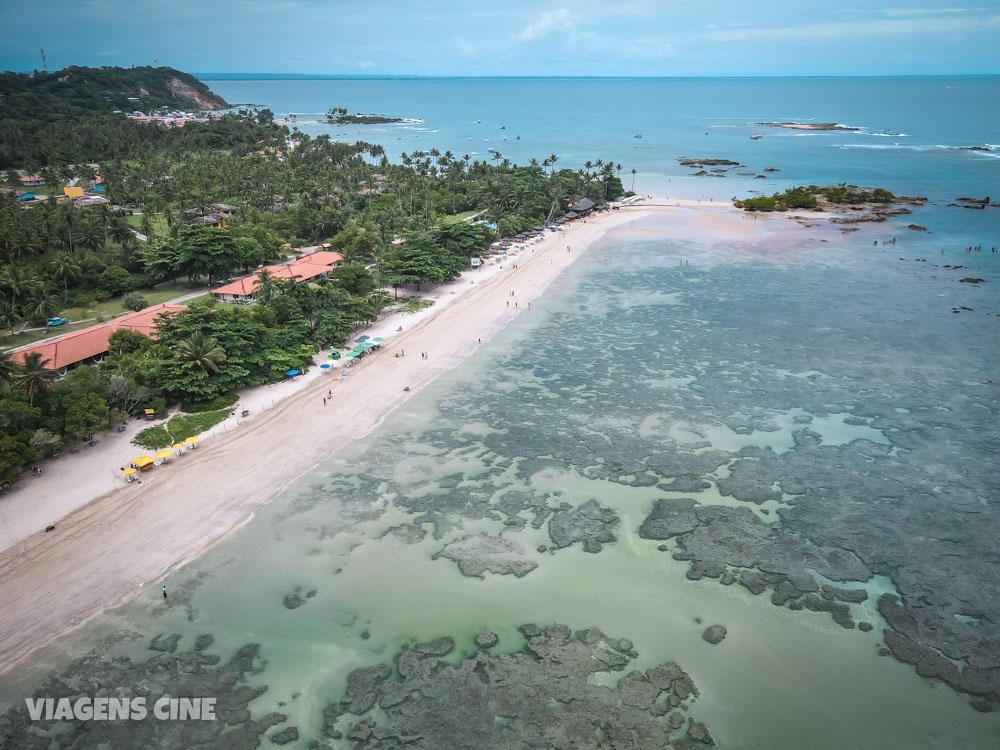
[
  {"x": 164, "y": 590},
  {"x": 324, "y": 401}
]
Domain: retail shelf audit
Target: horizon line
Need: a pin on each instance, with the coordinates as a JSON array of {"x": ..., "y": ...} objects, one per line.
[{"x": 557, "y": 76}]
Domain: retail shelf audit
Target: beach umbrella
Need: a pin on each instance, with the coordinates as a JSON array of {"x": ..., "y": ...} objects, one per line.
[
  {"x": 163, "y": 453},
  {"x": 360, "y": 339},
  {"x": 324, "y": 367},
  {"x": 193, "y": 440},
  {"x": 129, "y": 470},
  {"x": 179, "y": 447},
  {"x": 368, "y": 345},
  {"x": 292, "y": 373},
  {"x": 379, "y": 339},
  {"x": 144, "y": 461}
]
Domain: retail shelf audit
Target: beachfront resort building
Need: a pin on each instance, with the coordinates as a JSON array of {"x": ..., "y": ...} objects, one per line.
[
  {"x": 32, "y": 180},
  {"x": 310, "y": 267},
  {"x": 89, "y": 345}
]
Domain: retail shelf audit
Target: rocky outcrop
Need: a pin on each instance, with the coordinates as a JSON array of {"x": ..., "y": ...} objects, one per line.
[
  {"x": 589, "y": 524},
  {"x": 714, "y": 634},
  {"x": 480, "y": 553},
  {"x": 685, "y": 161},
  {"x": 810, "y": 126},
  {"x": 187, "y": 95},
  {"x": 543, "y": 692}
]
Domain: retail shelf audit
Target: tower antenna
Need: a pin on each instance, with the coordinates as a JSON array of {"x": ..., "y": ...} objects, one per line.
[{"x": 45, "y": 65}]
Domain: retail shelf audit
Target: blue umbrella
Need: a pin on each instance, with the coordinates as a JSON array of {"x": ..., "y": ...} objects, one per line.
[
  {"x": 292, "y": 372},
  {"x": 324, "y": 367}
]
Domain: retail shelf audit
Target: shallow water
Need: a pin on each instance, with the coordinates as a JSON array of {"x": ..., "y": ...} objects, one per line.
[{"x": 830, "y": 360}]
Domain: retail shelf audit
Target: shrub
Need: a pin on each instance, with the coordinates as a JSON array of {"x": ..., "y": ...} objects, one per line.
[
  {"x": 102, "y": 294},
  {"x": 116, "y": 280},
  {"x": 225, "y": 401},
  {"x": 153, "y": 438},
  {"x": 84, "y": 300},
  {"x": 134, "y": 301}
]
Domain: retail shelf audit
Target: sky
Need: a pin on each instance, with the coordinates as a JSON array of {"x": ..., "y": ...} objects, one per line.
[{"x": 508, "y": 37}]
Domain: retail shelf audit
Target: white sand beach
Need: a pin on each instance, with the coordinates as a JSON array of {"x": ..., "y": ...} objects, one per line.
[{"x": 111, "y": 540}]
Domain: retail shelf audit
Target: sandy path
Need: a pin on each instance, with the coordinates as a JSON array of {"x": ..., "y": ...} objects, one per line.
[{"x": 104, "y": 551}]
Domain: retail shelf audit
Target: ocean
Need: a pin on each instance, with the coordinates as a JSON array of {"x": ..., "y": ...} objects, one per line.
[{"x": 790, "y": 440}]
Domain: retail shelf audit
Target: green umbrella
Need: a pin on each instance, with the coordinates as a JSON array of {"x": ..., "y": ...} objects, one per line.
[
  {"x": 367, "y": 345},
  {"x": 379, "y": 339}
]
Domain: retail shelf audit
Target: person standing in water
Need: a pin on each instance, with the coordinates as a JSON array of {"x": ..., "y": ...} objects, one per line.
[{"x": 164, "y": 589}]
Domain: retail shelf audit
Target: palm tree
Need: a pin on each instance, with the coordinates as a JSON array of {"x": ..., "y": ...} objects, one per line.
[
  {"x": 32, "y": 378},
  {"x": 633, "y": 180},
  {"x": 64, "y": 266},
  {"x": 39, "y": 306},
  {"x": 17, "y": 280},
  {"x": 265, "y": 285},
  {"x": 9, "y": 315},
  {"x": 200, "y": 352},
  {"x": 552, "y": 163},
  {"x": 7, "y": 368}
]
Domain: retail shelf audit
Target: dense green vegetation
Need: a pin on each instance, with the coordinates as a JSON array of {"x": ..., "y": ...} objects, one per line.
[
  {"x": 75, "y": 92},
  {"x": 808, "y": 197},
  {"x": 339, "y": 116},
  {"x": 178, "y": 429},
  {"x": 287, "y": 188}
]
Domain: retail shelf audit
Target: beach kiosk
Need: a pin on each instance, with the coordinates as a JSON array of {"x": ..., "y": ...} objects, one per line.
[{"x": 144, "y": 463}]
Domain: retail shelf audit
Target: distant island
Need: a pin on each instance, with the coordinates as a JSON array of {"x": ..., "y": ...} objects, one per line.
[
  {"x": 339, "y": 116},
  {"x": 832, "y": 197},
  {"x": 809, "y": 126}
]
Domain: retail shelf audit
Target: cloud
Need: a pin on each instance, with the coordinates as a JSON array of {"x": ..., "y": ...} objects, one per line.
[
  {"x": 550, "y": 21},
  {"x": 895, "y": 12},
  {"x": 464, "y": 46},
  {"x": 855, "y": 29},
  {"x": 363, "y": 64}
]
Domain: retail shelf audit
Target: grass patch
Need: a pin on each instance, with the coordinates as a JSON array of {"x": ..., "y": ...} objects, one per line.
[
  {"x": 160, "y": 225},
  {"x": 153, "y": 438},
  {"x": 178, "y": 428},
  {"x": 415, "y": 304},
  {"x": 114, "y": 306},
  {"x": 219, "y": 402},
  {"x": 455, "y": 218},
  {"x": 186, "y": 425}
]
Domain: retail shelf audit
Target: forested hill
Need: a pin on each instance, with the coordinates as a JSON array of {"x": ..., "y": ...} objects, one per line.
[{"x": 78, "y": 91}]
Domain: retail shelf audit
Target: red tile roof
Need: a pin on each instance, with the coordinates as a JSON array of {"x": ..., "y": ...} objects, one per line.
[
  {"x": 76, "y": 346},
  {"x": 322, "y": 257},
  {"x": 306, "y": 268}
]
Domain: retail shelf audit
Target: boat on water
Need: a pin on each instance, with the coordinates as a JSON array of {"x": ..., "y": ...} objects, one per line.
[
  {"x": 637, "y": 136},
  {"x": 756, "y": 137}
]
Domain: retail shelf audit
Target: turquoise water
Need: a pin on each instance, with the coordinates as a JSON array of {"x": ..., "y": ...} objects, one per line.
[
  {"x": 581, "y": 119},
  {"x": 815, "y": 400}
]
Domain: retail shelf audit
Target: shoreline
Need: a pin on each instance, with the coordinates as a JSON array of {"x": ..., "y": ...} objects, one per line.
[{"x": 105, "y": 550}]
